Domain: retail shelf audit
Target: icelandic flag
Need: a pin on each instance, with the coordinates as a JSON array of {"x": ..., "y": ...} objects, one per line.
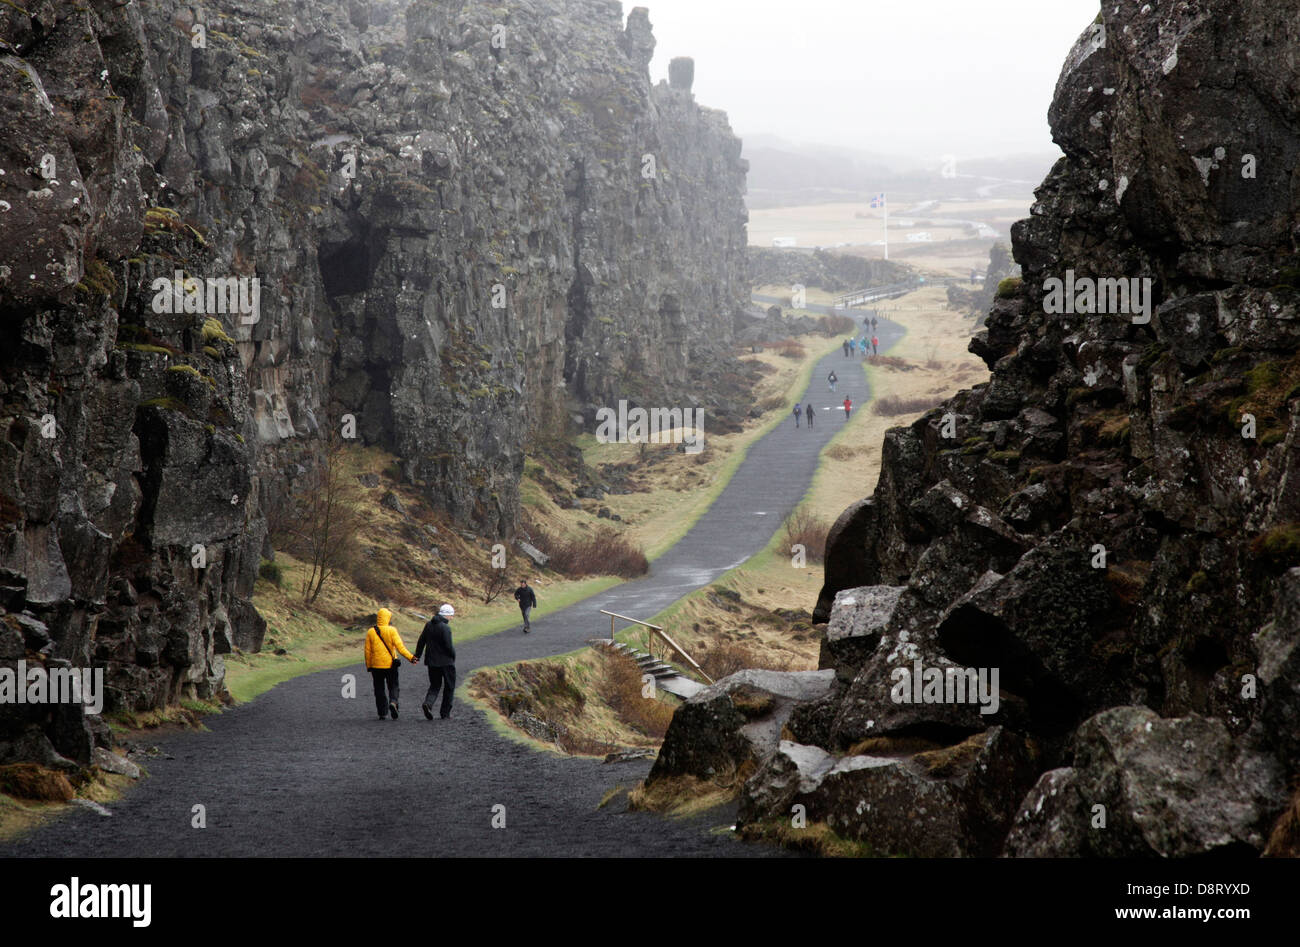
[{"x": 878, "y": 200}]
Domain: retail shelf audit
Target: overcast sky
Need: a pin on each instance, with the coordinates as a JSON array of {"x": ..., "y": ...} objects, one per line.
[{"x": 912, "y": 77}]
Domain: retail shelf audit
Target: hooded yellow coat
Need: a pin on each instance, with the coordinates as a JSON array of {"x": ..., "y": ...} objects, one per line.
[{"x": 380, "y": 642}]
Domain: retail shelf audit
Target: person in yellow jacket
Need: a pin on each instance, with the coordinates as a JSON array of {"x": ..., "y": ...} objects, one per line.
[{"x": 381, "y": 641}]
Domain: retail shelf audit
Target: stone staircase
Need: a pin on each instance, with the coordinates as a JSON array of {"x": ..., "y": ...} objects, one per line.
[{"x": 667, "y": 677}]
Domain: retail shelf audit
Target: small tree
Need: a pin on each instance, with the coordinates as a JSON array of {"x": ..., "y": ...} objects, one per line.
[
  {"x": 494, "y": 582},
  {"x": 327, "y": 521}
]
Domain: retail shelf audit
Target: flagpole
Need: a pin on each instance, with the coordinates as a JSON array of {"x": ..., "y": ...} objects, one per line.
[{"x": 886, "y": 203}]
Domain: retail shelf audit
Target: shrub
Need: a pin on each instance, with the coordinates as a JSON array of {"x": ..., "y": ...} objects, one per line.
[
  {"x": 891, "y": 406},
  {"x": 273, "y": 572},
  {"x": 805, "y": 529},
  {"x": 842, "y": 452},
  {"x": 1009, "y": 287},
  {"x": 604, "y": 552},
  {"x": 789, "y": 348},
  {"x": 830, "y": 326}
]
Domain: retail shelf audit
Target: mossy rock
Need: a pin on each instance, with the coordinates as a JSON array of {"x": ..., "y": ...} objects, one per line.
[
  {"x": 1280, "y": 545},
  {"x": 214, "y": 331},
  {"x": 1009, "y": 287}
]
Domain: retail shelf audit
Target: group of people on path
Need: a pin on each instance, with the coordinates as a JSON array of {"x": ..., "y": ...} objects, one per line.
[
  {"x": 384, "y": 644},
  {"x": 860, "y": 345},
  {"x": 806, "y": 411}
]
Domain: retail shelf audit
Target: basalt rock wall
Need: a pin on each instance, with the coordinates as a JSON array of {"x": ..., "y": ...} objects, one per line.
[
  {"x": 1113, "y": 521},
  {"x": 466, "y": 224}
]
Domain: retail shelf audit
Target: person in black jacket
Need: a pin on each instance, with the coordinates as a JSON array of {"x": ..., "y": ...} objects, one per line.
[
  {"x": 440, "y": 660},
  {"x": 527, "y": 600}
]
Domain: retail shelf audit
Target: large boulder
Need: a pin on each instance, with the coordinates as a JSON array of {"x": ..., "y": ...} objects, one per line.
[
  {"x": 954, "y": 801},
  {"x": 1142, "y": 785},
  {"x": 736, "y": 721}
]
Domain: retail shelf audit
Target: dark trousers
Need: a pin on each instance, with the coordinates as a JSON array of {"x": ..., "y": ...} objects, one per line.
[
  {"x": 523, "y": 610},
  {"x": 438, "y": 677},
  {"x": 384, "y": 677}
]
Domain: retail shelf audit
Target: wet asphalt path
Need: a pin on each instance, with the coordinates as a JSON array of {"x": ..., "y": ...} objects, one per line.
[{"x": 302, "y": 771}]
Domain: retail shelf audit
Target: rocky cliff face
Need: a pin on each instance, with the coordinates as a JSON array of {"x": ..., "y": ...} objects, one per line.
[
  {"x": 465, "y": 223},
  {"x": 1113, "y": 521}
]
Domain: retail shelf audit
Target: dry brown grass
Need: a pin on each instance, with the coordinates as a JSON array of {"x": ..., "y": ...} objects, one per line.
[
  {"x": 622, "y": 689},
  {"x": 815, "y": 838},
  {"x": 30, "y": 781},
  {"x": 684, "y": 796},
  {"x": 843, "y": 452},
  {"x": 1284, "y": 841},
  {"x": 789, "y": 348},
  {"x": 892, "y": 406}
]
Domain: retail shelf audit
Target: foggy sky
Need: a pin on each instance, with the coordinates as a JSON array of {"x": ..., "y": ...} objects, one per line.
[{"x": 907, "y": 77}]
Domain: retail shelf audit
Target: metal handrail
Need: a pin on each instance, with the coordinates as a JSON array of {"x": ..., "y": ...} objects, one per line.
[{"x": 657, "y": 631}]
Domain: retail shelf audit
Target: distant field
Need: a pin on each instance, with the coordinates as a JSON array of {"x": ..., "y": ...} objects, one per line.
[{"x": 952, "y": 250}]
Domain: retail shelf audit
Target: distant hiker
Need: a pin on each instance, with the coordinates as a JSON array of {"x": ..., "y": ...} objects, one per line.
[
  {"x": 797, "y": 409},
  {"x": 440, "y": 660},
  {"x": 808, "y": 414},
  {"x": 381, "y": 640},
  {"x": 873, "y": 323},
  {"x": 847, "y": 346},
  {"x": 875, "y": 345},
  {"x": 848, "y": 407},
  {"x": 527, "y": 600},
  {"x": 862, "y": 346},
  {"x": 831, "y": 379}
]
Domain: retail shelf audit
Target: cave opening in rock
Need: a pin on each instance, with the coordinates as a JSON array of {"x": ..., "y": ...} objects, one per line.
[{"x": 345, "y": 267}]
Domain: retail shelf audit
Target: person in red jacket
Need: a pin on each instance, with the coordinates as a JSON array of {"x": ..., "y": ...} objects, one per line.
[{"x": 848, "y": 407}]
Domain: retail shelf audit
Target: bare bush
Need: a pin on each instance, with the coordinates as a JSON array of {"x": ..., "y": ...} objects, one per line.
[
  {"x": 836, "y": 325},
  {"x": 891, "y": 406},
  {"x": 843, "y": 452},
  {"x": 604, "y": 552},
  {"x": 327, "y": 520},
  {"x": 789, "y": 348},
  {"x": 492, "y": 581},
  {"x": 803, "y": 528}
]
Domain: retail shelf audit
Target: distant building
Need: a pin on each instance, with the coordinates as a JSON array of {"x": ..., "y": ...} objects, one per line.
[
  {"x": 784, "y": 242},
  {"x": 923, "y": 237}
]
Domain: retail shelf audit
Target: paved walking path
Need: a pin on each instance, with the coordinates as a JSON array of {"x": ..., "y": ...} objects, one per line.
[{"x": 303, "y": 772}]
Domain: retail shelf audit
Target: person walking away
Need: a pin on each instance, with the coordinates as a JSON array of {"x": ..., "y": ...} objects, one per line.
[
  {"x": 527, "y": 600},
  {"x": 382, "y": 640},
  {"x": 831, "y": 379},
  {"x": 797, "y": 409},
  {"x": 875, "y": 345},
  {"x": 808, "y": 414},
  {"x": 846, "y": 346},
  {"x": 862, "y": 346},
  {"x": 848, "y": 407},
  {"x": 873, "y": 323},
  {"x": 440, "y": 659}
]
